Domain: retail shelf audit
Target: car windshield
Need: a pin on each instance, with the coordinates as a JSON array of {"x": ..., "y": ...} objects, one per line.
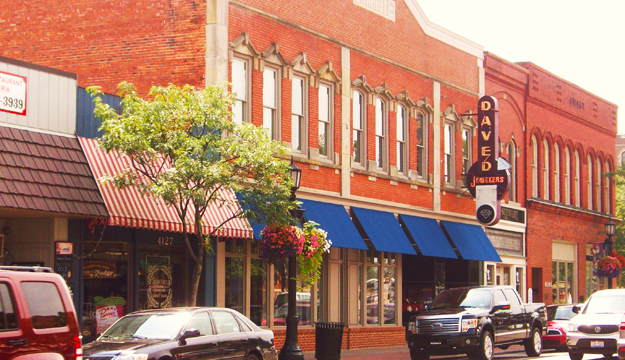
[
  {"x": 146, "y": 326},
  {"x": 560, "y": 313},
  {"x": 462, "y": 298},
  {"x": 605, "y": 304}
]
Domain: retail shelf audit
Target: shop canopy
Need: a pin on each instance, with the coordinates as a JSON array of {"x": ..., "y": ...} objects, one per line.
[
  {"x": 127, "y": 207},
  {"x": 384, "y": 231},
  {"x": 334, "y": 219},
  {"x": 428, "y": 236},
  {"x": 471, "y": 241}
]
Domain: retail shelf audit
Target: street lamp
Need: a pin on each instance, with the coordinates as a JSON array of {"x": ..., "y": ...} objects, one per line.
[
  {"x": 291, "y": 350},
  {"x": 610, "y": 229}
]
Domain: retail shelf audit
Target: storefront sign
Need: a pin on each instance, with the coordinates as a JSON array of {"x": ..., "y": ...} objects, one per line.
[
  {"x": 159, "y": 282},
  {"x": 64, "y": 248},
  {"x": 12, "y": 93},
  {"x": 514, "y": 215},
  {"x": 105, "y": 316},
  {"x": 100, "y": 269},
  {"x": 63, "y": 265}
]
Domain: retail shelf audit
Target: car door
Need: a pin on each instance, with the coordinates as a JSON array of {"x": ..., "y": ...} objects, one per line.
[
  {"x": 233, "y": 341},
  {"x": 502, "y": 318},
  {"x": 13, "y": 334},
  {"x": 519, "y": 321},
  {"x": 203, "y": 347}
]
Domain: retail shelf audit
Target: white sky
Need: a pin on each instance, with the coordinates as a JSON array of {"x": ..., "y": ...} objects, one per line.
[{"x": 582, "y": 42}]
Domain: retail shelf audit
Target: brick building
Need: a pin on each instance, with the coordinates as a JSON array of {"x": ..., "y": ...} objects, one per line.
[{"x": 375, "y": 103}]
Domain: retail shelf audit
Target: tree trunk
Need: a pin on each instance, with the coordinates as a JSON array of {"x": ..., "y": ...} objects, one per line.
[{"x": 197, "y": 274}]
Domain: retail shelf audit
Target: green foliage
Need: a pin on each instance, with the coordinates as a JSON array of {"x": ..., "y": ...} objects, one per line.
[
  {"x": 618, "y": 178},
  {"x": 316, "y": 242}
]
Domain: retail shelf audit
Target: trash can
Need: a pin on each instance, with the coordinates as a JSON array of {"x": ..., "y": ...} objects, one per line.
[{"x": 328, "y": 339}]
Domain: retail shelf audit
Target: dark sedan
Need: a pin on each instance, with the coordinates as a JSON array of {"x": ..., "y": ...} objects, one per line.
[{"x": 183, "y": 333}]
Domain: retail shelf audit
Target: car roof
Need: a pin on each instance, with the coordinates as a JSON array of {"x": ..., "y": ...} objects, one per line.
[
  {"x": 179, "y": 310},
  {"x": 607, "y": 292}
]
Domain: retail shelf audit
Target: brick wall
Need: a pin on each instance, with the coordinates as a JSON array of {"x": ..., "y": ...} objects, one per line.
[{"x": 353, "y": 338}]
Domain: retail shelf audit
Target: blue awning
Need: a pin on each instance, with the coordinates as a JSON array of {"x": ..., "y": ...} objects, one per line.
[
  {"x": 428, "y": 236},
  {"x": 334, "y": 219},
  {"x": 384, "y": 231},
  {"x": 471, "y": 241}
]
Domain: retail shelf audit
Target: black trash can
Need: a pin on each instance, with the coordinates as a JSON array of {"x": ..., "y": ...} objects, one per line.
[{"x": 328, "y": 339}]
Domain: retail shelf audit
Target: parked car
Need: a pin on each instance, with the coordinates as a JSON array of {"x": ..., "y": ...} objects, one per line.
[
  {"x": 37, "y": 316},
  {"x": 475, "y": 320},
  {"x": 183, "y": 333},
  {"x": 558, "y": 317},
  {"x": 303, "y": 314},
  {"x": 620, "y": 345},
  {"x": 595, "y": 330}
]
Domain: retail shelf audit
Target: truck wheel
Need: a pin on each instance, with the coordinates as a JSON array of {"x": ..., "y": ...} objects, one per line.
[
  {"x": 418, "y": 355},
  {"x": 534, "y": 345},
  {"x": 576, "y": 355},
  {"x": 485, "y": 350}
]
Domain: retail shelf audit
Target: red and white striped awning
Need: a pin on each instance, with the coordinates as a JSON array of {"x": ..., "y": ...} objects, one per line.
[{"x": 127, "y": 207}]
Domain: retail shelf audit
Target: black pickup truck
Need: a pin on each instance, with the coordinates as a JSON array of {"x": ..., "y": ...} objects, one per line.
[{"x": 474, "y": 321}]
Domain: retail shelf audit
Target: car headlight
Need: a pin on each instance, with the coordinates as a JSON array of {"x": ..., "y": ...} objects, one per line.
[
  {"x": 127, "y": 356},
  {"x": 572, "y": 327},
  {"x": 468, "y": 324},
  {"x": 412, "y": 327}
]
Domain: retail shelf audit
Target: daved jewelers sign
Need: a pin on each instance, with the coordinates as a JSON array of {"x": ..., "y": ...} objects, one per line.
[{"x": 12, "y": 93}]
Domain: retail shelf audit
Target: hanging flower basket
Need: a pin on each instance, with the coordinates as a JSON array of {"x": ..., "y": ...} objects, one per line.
[
  {"x": 280, "y": 242},
  {"x": 608, "y": 266},
  {"x": 316, "y": 242}
]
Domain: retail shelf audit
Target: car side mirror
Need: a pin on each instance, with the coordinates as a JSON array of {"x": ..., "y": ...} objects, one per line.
[
  {"x": 191, "y": 333},
  {"x": 577, "y": 309},
  {"x": 503, "y": 305}
]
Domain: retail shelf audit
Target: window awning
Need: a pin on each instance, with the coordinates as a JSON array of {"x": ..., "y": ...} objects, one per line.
[
  {"x": 384, "y": 231},
  {"x": 334, "y": 219},
  {"x": 127, "y": 207},
  {"x": 428, "y": 236},
  {"x": 471, "y": 241}
]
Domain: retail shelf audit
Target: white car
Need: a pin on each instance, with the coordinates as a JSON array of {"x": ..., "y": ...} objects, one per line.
[
  {"x": 595, "y": 330},
  {"x": 620, "y": 345}
]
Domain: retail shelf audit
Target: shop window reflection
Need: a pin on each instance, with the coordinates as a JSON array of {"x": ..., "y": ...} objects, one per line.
[
  {"x": 281, "y": 301},
  {"x": 235, "y": 291}
]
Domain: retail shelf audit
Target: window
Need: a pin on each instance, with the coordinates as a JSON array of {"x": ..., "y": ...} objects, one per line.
[
  {"x": 8, "y": 317},
  {"x": 200, "y": 321},
  {"x": 240, "y": 83},
  {"x": 562, "y": 282},
  {"x": 608, "y": 192},
  {"x": 578, "y": 175},
  {"x": 449, "y": 158},
  {"x": 598, "y": 188},
  {"x": 512, "y": 161},
  {"x": 270, "y": 102},
  {"x": 623, "y": 158},
  {"x": 380, "y": 133},
  {"x": 298, "y": 119},
  {"x": 556, "y": 172},
  {"x": 421, "y": 145},
  {"x": 466, "y": 150},
  {"x": 546, "y": 170},
  {"x": 402, "y": 126},
  {"x": 380, "y": 299},
  {"x": 567, "y": 176},
  {"x": 590, "y": 182},
  {"x": 534, "y": 167},
  {"x": 358, "y": 125},
  {"x": 225, "y": 323},
  {"x": 325, "y": 121},
  {"x": 44, "y": 314}
]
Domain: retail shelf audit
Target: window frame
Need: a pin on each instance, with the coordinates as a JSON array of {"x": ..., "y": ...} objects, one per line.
[
  {"x": 513, "y": 171},
  {"x": 402, "y": 161},
  {"x": 608, "y": 191},
  {"x": 449, "y": 143},
  {"x": 567, "y": 176},
  {"x": 381, "y": 261},
  {"x": 578, "y": 181},
  {"x": 546, "y": 171},
  {"x": 302, "y": 117},
  {"x": 381, "y": 135},
  {"x": 467, "y": 149},
  {"x": 246, "y": 103},
  {"x": 589, "y": 182},
  {"x": 274, "y": 130},
  {"x": 421, "y": 167},
  {"x": 598, "y": 186},
  {"x": 362, "y": 131},
  {"x": 556, "y": 172},
  {"x": 534, "y": 164},
  {"x": 329, "y": 124}
]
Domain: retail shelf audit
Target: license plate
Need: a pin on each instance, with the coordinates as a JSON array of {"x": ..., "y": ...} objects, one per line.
[
  {"x": 435, "y": 343},
  {"x": 596, "y": 344}
]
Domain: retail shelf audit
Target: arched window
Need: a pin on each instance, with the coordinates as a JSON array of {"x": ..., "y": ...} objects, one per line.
[
  {"x": 421, "y": 144},
  {"x": 380, "y": 133},
  {"x": 359, "y": 116},
  {"x": 599, "y": 187},
  {"x": 578, "y": 176},
  {"x": 623, "y": 158},
  {"x": 567, "y": 176},
  {"x": 556, "y": 172},
  {"x": 608, "y": 191},
  {"x": 512, "y": 161},
  {"x": 534, "y": 167},
  {"x": 402, "y": 150},
  {"x": 546, "y": 170},
  {"x": 590, "y": 182}
]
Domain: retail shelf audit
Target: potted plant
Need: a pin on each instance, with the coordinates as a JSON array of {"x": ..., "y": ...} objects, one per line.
[
  {"x": 608, "y": 266},
  {"x": 316, "y": 242},
  {"x": 279, "y": 242}
]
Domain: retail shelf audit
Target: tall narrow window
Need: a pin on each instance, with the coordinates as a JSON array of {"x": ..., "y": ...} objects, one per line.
[
  {"x": 590, "y": 182},
  {"x": 556, "y": 172},
  {"x": 512, "y": 161},
  {"x": 546, "y": 170},
  {"x": 598, "y": 188},
  {"x": 466, "y": 150},
  {"x": 534, "y": 167},
  {"x": 270, "y": 102},
  {"x": 402, "y": 121},
  {"x": 449, "y": 158},
  {"x": 358, "y": 122},
  {"x": 380, "y": 133},
  {"x": 567, "y": 176},
  {"x": 608, "y": 191},
  {"x": 325, "y": 116},
  {"x": 297, "y": 115},
  {"x": 239, "y": 89},
  {"x": 578, "y": 176},
  {"x": 421, "y": 138}
]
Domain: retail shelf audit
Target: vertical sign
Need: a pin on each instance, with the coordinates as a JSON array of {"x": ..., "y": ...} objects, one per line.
[{"x": 12, "y": 93}]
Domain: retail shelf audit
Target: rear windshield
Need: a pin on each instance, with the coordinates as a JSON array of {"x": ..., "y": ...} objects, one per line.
[
  {"x": 462, "y": 298},
  {"x": 560, "y": 313},
  {"x": 44, "y": 304}
]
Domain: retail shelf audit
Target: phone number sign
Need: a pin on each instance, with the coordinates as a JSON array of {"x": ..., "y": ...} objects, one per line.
[{"x": 12, "y": 93}]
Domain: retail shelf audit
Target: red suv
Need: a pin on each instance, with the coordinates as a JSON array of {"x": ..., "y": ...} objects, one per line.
[{"x": 37, "y": 316}]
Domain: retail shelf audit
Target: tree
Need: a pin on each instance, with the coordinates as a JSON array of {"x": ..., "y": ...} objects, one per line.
[
  {"x": 618, "y": 178},
  {"x": 185, "y": 149}
]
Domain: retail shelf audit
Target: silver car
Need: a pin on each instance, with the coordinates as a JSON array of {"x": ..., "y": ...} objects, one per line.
[
  {"x": 620, "y": 345},
  {"x": 595, "y": 330}
]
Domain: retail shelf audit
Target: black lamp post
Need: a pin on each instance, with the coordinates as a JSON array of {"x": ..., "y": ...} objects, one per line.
[
  {"x": 291, "y": 350},
  {"x": 610, "y": 229}
]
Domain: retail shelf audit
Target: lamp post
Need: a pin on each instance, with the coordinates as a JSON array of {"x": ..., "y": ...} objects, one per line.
[
  {"x": 610, "y": 229},
  {"x": 291, "y": 350}
]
